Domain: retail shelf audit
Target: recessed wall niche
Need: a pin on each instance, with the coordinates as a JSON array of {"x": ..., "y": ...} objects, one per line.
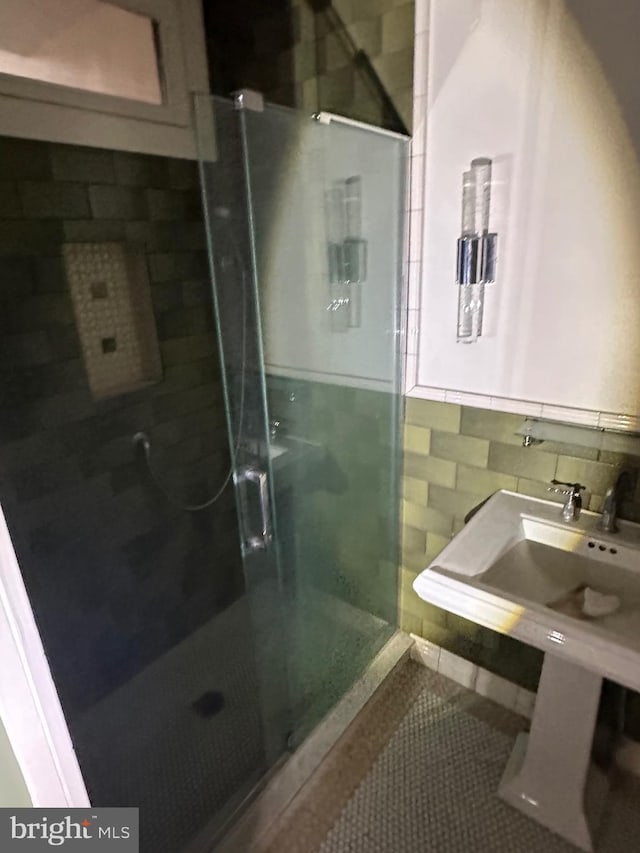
[{"x": 109, "y": 287}]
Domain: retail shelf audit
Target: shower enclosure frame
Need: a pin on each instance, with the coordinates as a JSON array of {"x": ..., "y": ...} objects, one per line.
[
  {"x": 257, "y": 123},
  {"x": 291, "y": 775},
  {"x": 31, "y": 708}
]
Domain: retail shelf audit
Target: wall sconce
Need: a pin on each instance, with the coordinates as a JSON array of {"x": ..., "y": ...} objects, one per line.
[
  {"x": 476, "y": 261},
  {"x": 347, "y": 253}
]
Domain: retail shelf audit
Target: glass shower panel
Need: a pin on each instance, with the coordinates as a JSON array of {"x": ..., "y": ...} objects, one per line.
[
  {"x": 231, "y": 240},
  {"x": 327, "y": 203},
  {"x": 175, "y": 701}
]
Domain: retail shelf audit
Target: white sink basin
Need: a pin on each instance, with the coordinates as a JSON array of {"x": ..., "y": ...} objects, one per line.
[{"x": 519, "y": 569}]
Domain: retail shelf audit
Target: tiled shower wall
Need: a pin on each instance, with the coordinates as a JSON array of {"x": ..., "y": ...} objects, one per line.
[
  {"x": 341, "y": 535},
  {"x": 116, "y": 573},
  {"x": 249, "y": 46},
  {"x": 325, "y": 75},
  {"x": 455, "y": 457},
  {"x": 297, "y": 56}
]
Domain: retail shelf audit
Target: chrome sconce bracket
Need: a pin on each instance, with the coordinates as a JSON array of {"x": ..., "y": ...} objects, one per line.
[
  {"x": 346, "y": 253},
  {"x": 476, "y": 262}
]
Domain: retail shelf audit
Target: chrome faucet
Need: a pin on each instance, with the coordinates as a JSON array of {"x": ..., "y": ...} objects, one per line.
[
  {"x": 573, "y": 504},
  {"x": 274, "y": 426},
  {"x": 278, "y": 427},
  {"x": 608, "y": 522}
]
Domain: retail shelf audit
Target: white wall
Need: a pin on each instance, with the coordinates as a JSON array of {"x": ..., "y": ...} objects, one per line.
[
  {"x": 13, "y": 791},
  {"x": 294, "y": 286},
  {"x": 549, "y": 90}
]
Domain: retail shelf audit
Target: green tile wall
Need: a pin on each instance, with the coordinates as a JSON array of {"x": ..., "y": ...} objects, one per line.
[
  {"x": 336, "y": 512},
  {"x": 117, "y": 573},
  {"x": 341, "y": 526},
  {"x": 300, "y": 57},
  {"x": 250, "y": 46},
  {"x": 455, "y": 457},
  {"x": 321, "y": 59}
]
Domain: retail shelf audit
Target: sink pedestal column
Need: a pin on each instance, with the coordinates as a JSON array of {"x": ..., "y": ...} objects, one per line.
[{"x": 550, "y": 776}]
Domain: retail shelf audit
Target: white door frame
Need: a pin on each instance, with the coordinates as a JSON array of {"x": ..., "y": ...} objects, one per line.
[{"x": 30, "y": 707}]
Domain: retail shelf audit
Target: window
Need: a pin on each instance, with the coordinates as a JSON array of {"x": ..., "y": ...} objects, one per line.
[
  {"x": 109, "y": 73},
  {"x": 63, "y": 42}
]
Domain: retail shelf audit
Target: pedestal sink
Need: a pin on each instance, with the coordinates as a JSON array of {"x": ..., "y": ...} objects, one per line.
[{"x": 519, "y": 569}]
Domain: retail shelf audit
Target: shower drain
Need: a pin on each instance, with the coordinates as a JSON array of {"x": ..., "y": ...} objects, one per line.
[{"x": 209, "y": 704}]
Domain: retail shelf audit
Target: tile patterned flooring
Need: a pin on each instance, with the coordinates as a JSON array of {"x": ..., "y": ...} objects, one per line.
[
  {"x": 143, "y": 745},
  {"x": 417, "y": 772}
]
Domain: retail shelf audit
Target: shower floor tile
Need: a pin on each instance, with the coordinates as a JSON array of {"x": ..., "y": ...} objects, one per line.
[
  {"x": 418, "y": 772},
  {"x": 144, "y": 745}
]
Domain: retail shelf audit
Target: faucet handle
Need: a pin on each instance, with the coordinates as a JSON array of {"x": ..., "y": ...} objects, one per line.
[
  {"x": 573, "y": 505},
  {"x": 572, "y": 489}
]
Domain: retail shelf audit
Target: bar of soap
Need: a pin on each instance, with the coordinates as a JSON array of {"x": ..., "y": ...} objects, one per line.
[{"x": 598, "y": 604}]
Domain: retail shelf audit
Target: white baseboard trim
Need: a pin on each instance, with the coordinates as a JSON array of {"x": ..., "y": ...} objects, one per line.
[
  {"x": 504, "y": 692},
  {"x": 473, "y": 677}
]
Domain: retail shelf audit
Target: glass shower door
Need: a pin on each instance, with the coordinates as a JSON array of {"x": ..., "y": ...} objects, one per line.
[
  {"x": 113, "y": 483},
  {"x": 323, "y": 232},
  {"x": 230, "y": 234},
  {"x": 328, "y": 206}
]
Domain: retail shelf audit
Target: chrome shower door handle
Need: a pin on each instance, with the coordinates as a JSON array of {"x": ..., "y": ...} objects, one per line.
[{"x": 256, "y": 477}]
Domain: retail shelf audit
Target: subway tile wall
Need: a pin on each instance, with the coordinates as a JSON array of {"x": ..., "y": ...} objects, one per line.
[
  {"x": 341, "y": 534},
  {"x": 322, "y": 63},
  {"x": 298, "y": 55},
  {"x": 116, "y": 573}
]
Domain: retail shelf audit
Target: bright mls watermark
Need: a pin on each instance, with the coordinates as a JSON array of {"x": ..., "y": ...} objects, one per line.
[{"x": 73, "y": 830}]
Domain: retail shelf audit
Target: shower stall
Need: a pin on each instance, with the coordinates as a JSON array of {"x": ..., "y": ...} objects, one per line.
[
  {"x": 312, "y": 400},
  {"x": 188, "y": 668}
]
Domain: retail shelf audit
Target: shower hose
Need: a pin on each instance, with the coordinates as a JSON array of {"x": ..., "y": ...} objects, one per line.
[{"x": 142, "y": 439}]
